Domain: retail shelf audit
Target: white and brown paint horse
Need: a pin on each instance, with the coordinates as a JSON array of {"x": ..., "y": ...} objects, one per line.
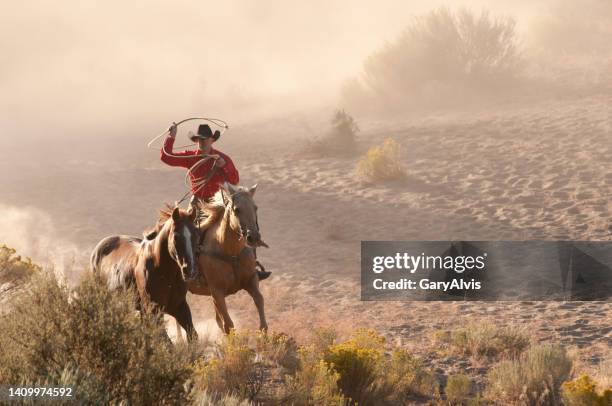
[
  {"x": 227, "y": 259},
  {"x": 155, "y": 265}
]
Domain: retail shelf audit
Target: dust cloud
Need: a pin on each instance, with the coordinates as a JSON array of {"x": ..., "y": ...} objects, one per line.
[{"x": 86, "y": 84}]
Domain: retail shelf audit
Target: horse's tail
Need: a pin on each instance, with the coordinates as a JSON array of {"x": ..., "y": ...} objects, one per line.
[
  {"x": 103, "y": 248},
  {"x": 94, "y": 260}
]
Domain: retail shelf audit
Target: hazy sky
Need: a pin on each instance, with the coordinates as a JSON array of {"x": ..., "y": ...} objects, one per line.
[{"x": 73, "y": 63}]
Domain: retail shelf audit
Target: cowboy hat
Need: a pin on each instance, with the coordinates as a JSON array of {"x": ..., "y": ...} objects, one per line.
[{"x": 204, "y": 132}]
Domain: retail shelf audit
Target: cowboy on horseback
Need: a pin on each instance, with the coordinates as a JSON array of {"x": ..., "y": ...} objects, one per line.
[
  {"x": 208, "y": 168},
  {"x": 206, "y": 177}
]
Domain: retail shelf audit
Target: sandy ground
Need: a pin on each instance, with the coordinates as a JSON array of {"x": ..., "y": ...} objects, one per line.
[{"x": 536, "y": 172}]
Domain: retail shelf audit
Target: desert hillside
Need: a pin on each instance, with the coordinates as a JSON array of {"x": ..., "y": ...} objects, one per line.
[{"x": 517, "y": 173}]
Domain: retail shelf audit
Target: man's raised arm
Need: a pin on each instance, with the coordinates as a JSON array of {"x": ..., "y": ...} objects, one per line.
[{"x": 170, "y": 157}]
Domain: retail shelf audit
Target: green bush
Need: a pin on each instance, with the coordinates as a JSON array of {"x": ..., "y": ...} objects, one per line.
[
  {"x": 406, "y": 377},
  {"x": 534, "y": 378},
  {"x": 382, "y": 162},
  {"x": 93, "y": 339},
  {"x": 340, "y": 140},
  {"x": 486, "y": 340},
  {"x": 458, "y": 388},
  {"x": 344, "y": 129}
]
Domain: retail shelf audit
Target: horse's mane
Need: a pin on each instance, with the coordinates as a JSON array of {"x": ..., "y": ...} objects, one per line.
[
  {"x": 212, "y": 211},
  {"x": 164, "y": 214}
]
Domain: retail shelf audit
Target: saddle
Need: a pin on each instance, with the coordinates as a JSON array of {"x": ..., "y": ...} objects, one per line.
[{"x": 201, "y": 216}]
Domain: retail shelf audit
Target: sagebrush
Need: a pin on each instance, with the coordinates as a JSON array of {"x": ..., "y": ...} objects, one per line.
[
  {"x": 382, "y": 162},
  {"x": 93, "y": 339},
  {"x": 534, "y": 378}
]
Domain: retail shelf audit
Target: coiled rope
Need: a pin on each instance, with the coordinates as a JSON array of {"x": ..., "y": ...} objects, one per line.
[{"x": 198, "y": 183}]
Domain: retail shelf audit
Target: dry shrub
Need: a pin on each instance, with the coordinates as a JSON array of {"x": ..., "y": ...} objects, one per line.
[
  {"x": 14, "y": 268},
  {"x": 233, "y": 368},
  {"x": 322, "y": 338},
  {"x": 340, "y": 140},
  {"x": 93, "y": 340},
  {"x": 206, "y": 398},
  {"x": 278, "y": 349},
  {"x": 485, "y": 340},
  {"x": 533, "y": 379},
  {"x": 583, "y": 392},
  {"x": 440, "y": 55},
  {"x": 604, "y": 372},
  {"x": 458, "y": 388},
  {"x": 382, "y": 162},
  {"x": 406, "y": 378}
]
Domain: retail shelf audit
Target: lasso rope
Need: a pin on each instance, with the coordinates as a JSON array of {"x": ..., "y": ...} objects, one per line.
[
  {"x": 216, "y": 121},
  {"x": 198, "y": 183}
]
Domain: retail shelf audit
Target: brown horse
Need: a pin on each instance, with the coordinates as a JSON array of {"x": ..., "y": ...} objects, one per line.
[
  {"x": 227, "y": 259},
  {"x": 155, "y": 265}
]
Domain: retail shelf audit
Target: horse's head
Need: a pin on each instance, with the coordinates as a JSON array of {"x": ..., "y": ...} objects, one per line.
[
  {"x": 242, "y": 209},
  {"x": 183, "y": 241}
]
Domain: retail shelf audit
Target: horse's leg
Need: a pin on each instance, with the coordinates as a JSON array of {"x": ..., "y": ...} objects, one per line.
[
  {"x": 218, "y": 317},
  {"x": 221, "y": 306},
  {"x": 253, "y": 290},
  {"x": 179, "y": 332},
  {"x": 183, "y": 317}
]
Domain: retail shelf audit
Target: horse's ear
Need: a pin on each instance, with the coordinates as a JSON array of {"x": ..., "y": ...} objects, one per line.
[
  {"x": 225, "y": 193},
  {"x": 176, "y": 214},
  {"x": 252, "y": 190},
  {"x": 230, "y": 188},
  {"x": 193, "y": 214},
  {"x": 224, "y": 187}
]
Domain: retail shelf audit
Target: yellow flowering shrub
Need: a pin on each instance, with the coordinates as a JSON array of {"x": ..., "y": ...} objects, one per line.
[
  {"x": 583, "y": 392},
  {"x": 382, "y": 162}
]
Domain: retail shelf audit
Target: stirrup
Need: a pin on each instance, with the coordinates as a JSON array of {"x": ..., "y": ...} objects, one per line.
[{"x": 261, "y": 271}]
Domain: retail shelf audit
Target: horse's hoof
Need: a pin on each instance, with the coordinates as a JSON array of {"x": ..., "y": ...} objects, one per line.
[{"x": 263, "y": 275}]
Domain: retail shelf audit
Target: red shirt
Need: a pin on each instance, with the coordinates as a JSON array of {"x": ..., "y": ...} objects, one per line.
[{"x": 227, "y": 173}]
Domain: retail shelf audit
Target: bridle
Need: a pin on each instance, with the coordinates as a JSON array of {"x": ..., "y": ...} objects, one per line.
[{"x": 233, "y": 260}]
